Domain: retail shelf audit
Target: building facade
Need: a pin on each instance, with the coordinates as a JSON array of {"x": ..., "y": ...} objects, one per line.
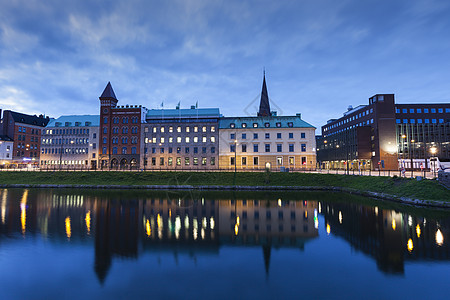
[
  {"x": 381, "y": 134},
  {"x": 181, "y": 139},
  {"x": 6, "y": 148},
  {"x": 25, "y": 131},
  {"x": 266, "y": 141},
  {"x": 71, "y": 142},
  {"x": 120, "y": 132}
]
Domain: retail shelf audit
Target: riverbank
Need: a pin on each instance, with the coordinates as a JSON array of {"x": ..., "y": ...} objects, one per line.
[{"x": 405, "y": 190}]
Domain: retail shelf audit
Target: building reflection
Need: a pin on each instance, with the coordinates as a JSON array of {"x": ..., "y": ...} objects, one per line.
[
  {"x": 391, "y": 237},
  {"x": 123, "y": 225}
]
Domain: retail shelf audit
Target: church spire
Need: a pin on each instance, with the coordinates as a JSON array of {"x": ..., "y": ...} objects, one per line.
[
  {"x": 108, "y": 92},
  {"x": 264, "y": 106}
]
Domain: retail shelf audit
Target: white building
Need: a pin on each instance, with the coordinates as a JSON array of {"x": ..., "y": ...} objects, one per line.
[
  {"x": 71, "y": 142},
  {"x": 6, "y": 149}
]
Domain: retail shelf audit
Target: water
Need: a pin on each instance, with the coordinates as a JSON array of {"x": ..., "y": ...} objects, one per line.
[{"x": 75, "y": 244}]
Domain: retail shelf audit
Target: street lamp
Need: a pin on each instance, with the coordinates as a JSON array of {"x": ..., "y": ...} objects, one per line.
[
  {"x": 433, "y": 151},
  {"x": 412, "y": 156}
]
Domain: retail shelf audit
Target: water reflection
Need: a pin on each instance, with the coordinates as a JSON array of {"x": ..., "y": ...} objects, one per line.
[
  {"x": 389, "y": 236},
  {"x": 126, "y": 225}
]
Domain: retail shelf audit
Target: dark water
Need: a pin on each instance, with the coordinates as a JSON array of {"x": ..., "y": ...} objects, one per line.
[{"x": 63, "y": 244}]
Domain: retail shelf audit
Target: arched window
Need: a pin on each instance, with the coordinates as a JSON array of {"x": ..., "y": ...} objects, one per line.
[
  {"x": 133, "y": 150},
  {"x": 124, "y": 150},
  {"x": 124, "y": 140},
  {"x": 114, "y": 150},
  {"x": 124, "y": 130},
  {"x": 116, "y": 130}
]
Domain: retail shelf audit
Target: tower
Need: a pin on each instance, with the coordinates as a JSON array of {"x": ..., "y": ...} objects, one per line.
[
  {"x": 108, "y": 101},
  {"x": 264, "y": 106}
]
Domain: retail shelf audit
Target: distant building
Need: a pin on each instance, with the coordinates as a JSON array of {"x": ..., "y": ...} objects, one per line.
[
  {"x": 25, "y": 131},
  {"x": 267, "y": 141},
  {"x": 71, "y": 142},
  {"x": 382, "y": 134}
]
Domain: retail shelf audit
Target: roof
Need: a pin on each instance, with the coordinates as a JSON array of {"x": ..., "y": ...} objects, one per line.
[
  {"x": 5, "y": 138},
  {"x": 264, "y": 106},
  {"x": 183, "y": 113},
  {"x": 28, "y": 119},
  {"x": 108, "y": 92},
  {"x": 73, "y": 120},
  {"x": 283, "y": 121}
]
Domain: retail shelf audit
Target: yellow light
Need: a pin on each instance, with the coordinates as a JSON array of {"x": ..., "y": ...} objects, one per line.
[
  {"x": 404, "y": 136},
  {"x": 170, "y": 213},
  {"x": 410, "y": 245},
  {"x": 236, "y": 229},
  {"x": 328, "y": 229},
  {"x": 394, "y": 225},
  {"x": 439, "y": 238},
  {"x": 340, "y": 217},
  {"x": 23, "y": 211},
  {"x": 148, "y": 229},
  {"x": 237, "y": 220},
  {"x": 211, "y": 222},
  {"x": 306, "y": 214},
  {"x": 418, "y": 231},
  {"x": 158, "y": 220},
  {"x": 279, "y": 202},
  {"x": 88, "y": 222},
  {"x": 68, "y": 228}
]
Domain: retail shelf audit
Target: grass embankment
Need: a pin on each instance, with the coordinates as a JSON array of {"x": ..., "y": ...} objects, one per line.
[{"x": 401, "y": 187}]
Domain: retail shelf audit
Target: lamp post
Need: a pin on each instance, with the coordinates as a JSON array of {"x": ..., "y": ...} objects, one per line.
[
  {"x": 433, "y": 151},
  {"x": 412, "y": 158},
  {"x": 336, "y": 157}
]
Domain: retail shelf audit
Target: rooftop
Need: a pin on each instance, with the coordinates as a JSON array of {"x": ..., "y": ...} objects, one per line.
[
  {"x": 191, "y": 113},
  {"x": 28, "y": 119},
  {"x": 265, "y": 122},
  {"x": 75, "y": 121}
]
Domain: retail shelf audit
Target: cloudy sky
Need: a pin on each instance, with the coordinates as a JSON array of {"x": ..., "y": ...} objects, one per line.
[{"x": 320, "y": 56}]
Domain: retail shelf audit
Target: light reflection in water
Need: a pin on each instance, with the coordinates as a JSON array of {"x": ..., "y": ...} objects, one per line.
[
  {"x": 4, "y": 197},
  {"x": 88, "y": 222},
  {"x": 394, "y": 224},
  {"x": 148, "y": 229},
  {"x": 418, "y": 231},
  {"x": 410, "y": 245},
  {"x": 439, "y": 238},
  {"x": 68, "y": 227},
  {"x": 23, "y": 211}
]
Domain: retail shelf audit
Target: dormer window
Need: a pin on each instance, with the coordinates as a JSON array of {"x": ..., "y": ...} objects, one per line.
[
  {"x": 278, "y": 124},
  {"x": 267, "y": 124},
  {"x": 255, "y": 125},
  {"x": 232, "y": 125},
  {"x": 290, "y": 124},
  {"x": 244, "y": 125}
]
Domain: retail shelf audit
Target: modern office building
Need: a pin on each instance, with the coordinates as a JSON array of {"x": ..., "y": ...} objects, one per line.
[
  {"x": 25, "y": 131},
  {"x": 382, "y": 134},
  {"x": 71, "y": 142},
  {"x": 181, "y": 139},
  {"x": 266, "y": 141}
]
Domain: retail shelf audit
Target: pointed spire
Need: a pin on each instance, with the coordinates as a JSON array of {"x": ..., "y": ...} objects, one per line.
[
  {"x": 264, "y": 106},
  {"x": 108, "y": 92}
]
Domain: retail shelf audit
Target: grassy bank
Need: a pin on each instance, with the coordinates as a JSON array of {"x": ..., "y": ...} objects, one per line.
[{"x": 401, "y": 187}]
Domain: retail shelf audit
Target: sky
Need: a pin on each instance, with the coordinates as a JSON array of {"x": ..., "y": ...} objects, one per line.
[{"x": 320, "y": 56}]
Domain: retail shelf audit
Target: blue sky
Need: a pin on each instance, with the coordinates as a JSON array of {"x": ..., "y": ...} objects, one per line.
[{"x": 320, "y": 56}]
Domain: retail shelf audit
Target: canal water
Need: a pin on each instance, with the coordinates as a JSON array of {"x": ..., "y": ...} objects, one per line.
[{"x": 75, "y": 244}]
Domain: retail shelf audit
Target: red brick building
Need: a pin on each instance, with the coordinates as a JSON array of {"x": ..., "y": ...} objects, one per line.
[
  {"x": 25, "y": 131},
  {"x": 120, "y": 132}
]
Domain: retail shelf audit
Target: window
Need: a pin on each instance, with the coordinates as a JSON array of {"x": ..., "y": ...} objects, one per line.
[
  {"x": 195, "y": 139},
  {"x": 405, "y": 121},
  {"x": 105, "y": 120},
  {"x": 291, "y": 135},
  {"x": 105, "y": 130},
  {"x": 178, "y": 139},
  {"x": 244, "y": 148},
  {"x": 114, "y": 150},
  {"x": 153, "y": 150},
  {"x": 104, "y": 150},
  {"x": 232, "y": 125},
  {"x": 178, "y": 149},
  {"x": 161, "y": 161},
  {"x": 232, "y": 136},
  {"x": 267, "y": 124},
  {"x": 213, "y": 149},
  {"x": 255, "y": 160},
  {"x": 232, "y": 148},
  {"x": 267, "y": 147},
  {"x": 433, "y": 121},
  {"x": 425, "y": 110},
  {"x": 213, "y": 128},
  {"x": 419, "y": 121},
  {"x": 291, "y": 147},
  {"x": 290, "y": 124},
  {"x": 303, "y": 135},
  {"x": 203, "y": 128},
  {"x": 188, "y": 129},
  {"x": 212, "y": 161},
  {"x": 267, "y": 135},
  {"x": 279, "y": 147},
  {"x": 161, "y": 150},
  {"x": 441, "y": 120},
  {"x": 278, "y": 135},
  {"x": 195, "y": 128},
  {"x": 170, "y": 149},
  {"x": 213, "y": 139},
  {"x": 244, "y": 161},
  {"x": 412, "y": 121},
  {"x": 255, "y": 136},
  {"x": 398, "y": 121},
  {"x": 427, "y": 121},
  {"x": 440, "y": 110},
  {"x": 291, "y": 160},
  {"x": 186, "y": 150},
  {"x": 186, "y": 161},
  {"x": 204, "y": 161},
  {"x": 255, "y": 125},
  {"x": 124, "y": 140},
  {"x": 153, "y": 161},
  {"x": 397, "y": 110},
  {"x": 124, "y": 130},
  {"x": 278, "y": 124},
  {"x": 255, "y": 147},
  {"x": 419, "y": 110},
  {"x": 133, "y": 150},
  {"x": 195, "y": 150},
  {"x": 187, "y": 139},
  {"x": 433, "y": 110},
  {"x": 195, "y": 161},
  {"x": 178, "y": 161},
  {"x": 104, "y": 140},
  {"x": 170, "y": 161},
  {"x": 203, "y": 139},
  {"x": 303, "y": 160},
  {"x": 203, "y": 149},
  {"x": 244, "y": 136},
  {"x": 232, "y": 161},
  {"x": 244, "y": 125},
  {"x": 124, "y": 150},
  {"x": 404, "y": 110},
  {"x": 411, "y": 110},
  {"x": 303, "y": 147}
]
